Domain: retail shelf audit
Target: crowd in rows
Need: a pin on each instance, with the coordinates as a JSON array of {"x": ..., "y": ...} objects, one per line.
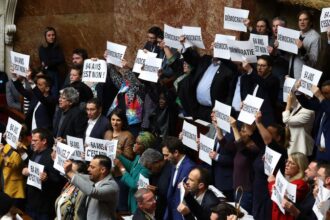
[{"x": 145, "y": 119}]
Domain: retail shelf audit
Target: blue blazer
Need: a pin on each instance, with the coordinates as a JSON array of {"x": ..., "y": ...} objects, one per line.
[
  {"x": 319, "y": 108},
  {"x": 100, "y": 127},
  {"x": 173, "y": 193}
]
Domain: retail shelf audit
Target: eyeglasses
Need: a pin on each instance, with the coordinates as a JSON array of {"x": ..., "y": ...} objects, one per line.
[{"x": 291, "y": 163}]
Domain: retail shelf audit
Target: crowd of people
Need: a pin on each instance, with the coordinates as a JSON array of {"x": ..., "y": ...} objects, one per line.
[{"x": 144, "y": 118}]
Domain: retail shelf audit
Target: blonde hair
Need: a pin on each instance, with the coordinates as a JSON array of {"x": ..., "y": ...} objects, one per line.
[{"x": 302, "y": 162}]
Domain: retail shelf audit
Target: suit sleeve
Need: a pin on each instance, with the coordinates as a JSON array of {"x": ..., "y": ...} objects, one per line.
[{"x": 105, "y": 192}]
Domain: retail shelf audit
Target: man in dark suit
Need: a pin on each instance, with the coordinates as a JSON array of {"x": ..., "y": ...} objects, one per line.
[
  {"x": 40, "y": 203},
  {"x": 42, "y": 103},
  {"x": 199, "y": 199},
  {"x": 262, "y": 84},
  {"x": 320, "y": 103},
  {"x": 98, "y": 124},
  {"x": 210, "y": 82},
  {"x": 146, "y": 205},
  {"x": 182, "y": 166},
  {"x": 100, "y": 189},
  {"x": 69, "y": 119}
]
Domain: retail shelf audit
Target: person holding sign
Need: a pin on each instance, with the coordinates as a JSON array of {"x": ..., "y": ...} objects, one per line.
[
  {"x": 320, "y": 103},
  {"x": 185, "y": 69},
  {"x": 304, "y": 209},
  {"x": 263, "y": 84},
  {"x": 100, "y": 189},
  {"x": 245, "y": 150},
  {"x": 274, "y": 136},
  {"x": 40, "y": 203},
  {"x": 262, "y": 26},
  {"x": 309, "y": 45},
  {"x": 152, "y": 35},
  {"x": 129, "y": 97},
  {"x": 85, "y": 93},
  {"x": 42, "y": 103},
  {"x": 222, "y": 161},
  {"x": 280, "y": 57},
  {"x": 51, "y": 58},
  {"x": 132, "y": 169},
  {"x": 210, "y": 82},
  {"x": 294, "y": 172},
  {"x": 13, "y": 182},
  {"x": 299, "y": 120}
]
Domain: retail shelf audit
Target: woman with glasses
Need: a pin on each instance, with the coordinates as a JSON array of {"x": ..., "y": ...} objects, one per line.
[
  {"x": 295, "y": 167},
  {"x": 131, "y": 170}
]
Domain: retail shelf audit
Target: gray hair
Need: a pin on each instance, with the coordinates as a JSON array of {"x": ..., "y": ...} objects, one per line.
[
  {"x": 150, "y": 156},
  {"x": 71, "y": 94},
  {"x": 140, "y": 193}
]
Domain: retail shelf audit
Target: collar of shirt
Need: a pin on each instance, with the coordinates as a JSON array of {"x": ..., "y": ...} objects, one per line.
[
  {"x": 200, "y": 198},
  {"x": 180, "y": 162},
  {"x": 216, "y": 61},
  {"x": 93, "y": 121}
]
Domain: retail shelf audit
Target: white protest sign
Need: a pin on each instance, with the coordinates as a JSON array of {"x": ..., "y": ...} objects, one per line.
[
  {"x": 34, "y": 174},
  {"x": 287, "y": 87},
  {"x": 115, "y": 53},
  {"x": 94, "y": 71},
  {"x": 78, "y": 145},
  {"x": 206, "y": 145},
  {"x": 112, "y": 150},
  {"x": 189, "y": 135},
  {"x": 150, "y": 69},
  {"x": 291, "y": 192},
  {"x": 325, "y": 20},
  {"x": 143, "y": 182},
  {"x": 94, "y": 147},
  {"x": 251, "y": 106},
  {"x": 260, "y": 43},
  {"x": 233, "y": 19},
  {"x": 279, "y": 190},
  {"x": 216, "y": 191},
  {"x": 242, "y": 51},
  {"x": 309, "y": 77},
  {"x": 322, "y": 202},
  {"x": 141, "y": 59},
  {"x": 222, "y": 113},
  {"x": 194, "y": 36},
  {"x": 63, "y": 153},
  {"x": 286, "y": 38},
  {"x": 221, "y": 49},
  {"x": 172, "y": 36},
  {"x": 20, "y": 63},
  {"x": 271, "y": 159},
  {"x": 13, "y": 130}
]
